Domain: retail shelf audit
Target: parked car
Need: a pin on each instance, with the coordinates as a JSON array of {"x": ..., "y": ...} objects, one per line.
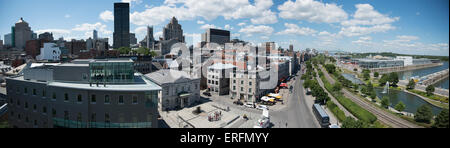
[
  {"x": 262, "y": 107},
  {"x": 207, "y": 94},
  {"x": 249, "y": 105}
]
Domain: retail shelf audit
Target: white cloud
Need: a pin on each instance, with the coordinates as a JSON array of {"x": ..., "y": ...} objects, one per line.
[
  {"x": 241, "y": 24},
  {"x": 54, "y": 31},
  {"x": 107, "y": 16},
  {"x": 293, "y": 29},
  {"x": 102, "y": 28},
  {"x": 207, "y": 9},
  {"x": 312, "y": 11},
  {"x": 235, "y": 35},
  {"x": 367, "y": 20},
  {"x": 261, "y": 29},
  {"x": 359, "y": 30},
  {"x": 67, "y": 16},
  {"x": 207, "y": 26},
  {"x": 158, "y": 34},
  {"x": 366, "y": 15},
  {"x": 200, "y": 22},
  {"x": 132, "y": 2},
  {"x": 407, "y": 38},
  {"x": 363, "y": 41},
  {"x": 228, "y": 27}
]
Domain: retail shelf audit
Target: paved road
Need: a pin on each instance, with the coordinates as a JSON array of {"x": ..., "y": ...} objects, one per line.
[
  {"x": 381, "y": 115},
  {"x": 297, "y": 114}
]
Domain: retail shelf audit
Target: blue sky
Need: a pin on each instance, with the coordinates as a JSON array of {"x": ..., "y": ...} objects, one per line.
[{"x": 402, "y": 26}]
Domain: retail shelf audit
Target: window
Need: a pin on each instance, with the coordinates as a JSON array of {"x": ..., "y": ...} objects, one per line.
[
  {"x": 34, "y": 92},
  {"x": 26, "y": 105},
  {"x": 250, "y": 90},
  {"x": 107, "y": 101},
  {"x": 234, "y": 87},
  {"x": 25, "y": 90},
  {"x": 120, "y": 99},
  {"x": 93, "y": 99},
  {"x": 18, "y": 103},
  {"x": 107, "y": 120},
  {"x": 217, "y": 82},
  {"x": 242, "y": 88},
  {"x": 34, "y": 107},
  {"x": 79, "y": 98},
  {"x": 44, "y": 110},
  {"x": 53, "y": 113},
  {"x": 93, "y": 117},
  {"x": 66, "y": 115},
  {"x": 242, "y": 82},
  {"x": 66, "y": 97},
  {"x": 79, "y": 118},
  {"x": 250, "y": 83},
  {"x": 135, "y": 100},
  {"x": 35, "y": 122},
  {"x": 44, "y": 94},
  {"x": 54, "y": 96},
  {"x": 18, "y": 90},
  {"x": 234, "y": 81}
]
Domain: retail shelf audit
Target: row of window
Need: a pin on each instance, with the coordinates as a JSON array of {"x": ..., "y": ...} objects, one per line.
[
  {"x": 242, "y": 82},
  {"x": 79, "y": 97},
  {"x": 242, "y": 89},
  {"x": 179, "y": 89}
]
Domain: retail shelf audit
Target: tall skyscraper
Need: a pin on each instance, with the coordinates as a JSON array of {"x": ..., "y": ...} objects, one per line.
[
  {"x": 133, "y": 39},
  {"x": 121, "y": 34},
  {"x": 150, "y": 40},
  {"x": 22, "y": 33},
  {"x": 291, "y": 48},
  {"x": 173, "y": 31},
  {"x": 95, "y": 35}
]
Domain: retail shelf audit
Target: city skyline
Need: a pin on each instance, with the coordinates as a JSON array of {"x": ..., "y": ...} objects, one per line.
[{"x": 357, "y": 26}]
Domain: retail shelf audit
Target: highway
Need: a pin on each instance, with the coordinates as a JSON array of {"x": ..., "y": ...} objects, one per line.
[{"x": 383, "y": 116}]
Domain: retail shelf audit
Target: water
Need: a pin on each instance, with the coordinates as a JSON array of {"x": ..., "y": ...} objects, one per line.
[
  {"x": 426, "y": 71},
  {"x": 412, "y": 102},
  {"x": 352, "y": 78}
]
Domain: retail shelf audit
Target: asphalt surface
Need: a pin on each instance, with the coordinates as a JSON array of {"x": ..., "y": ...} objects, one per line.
[{"x": 297, "y": 114}]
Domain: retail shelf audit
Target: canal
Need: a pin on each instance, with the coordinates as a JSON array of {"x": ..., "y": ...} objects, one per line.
[
  {"x": 426, "y": 71},
  {"x": 411, "y": 101}
]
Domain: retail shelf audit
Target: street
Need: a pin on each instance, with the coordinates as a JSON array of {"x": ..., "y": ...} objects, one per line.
[{"x": 297, "y": 114}]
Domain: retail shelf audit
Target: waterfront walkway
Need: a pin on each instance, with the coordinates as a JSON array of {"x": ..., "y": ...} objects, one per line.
[
  {"x": 403, "y": 68},
  {"x": 433, "y": 78},
  {"x": 437, "y": 91}
]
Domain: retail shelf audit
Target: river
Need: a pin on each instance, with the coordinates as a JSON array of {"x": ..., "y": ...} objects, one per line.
[{"x": 426, "y": 71}]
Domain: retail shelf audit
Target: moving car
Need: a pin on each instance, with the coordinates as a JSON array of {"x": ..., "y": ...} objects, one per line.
[
  {"x": 207, "y": 94},
  {"x": 249, "y": 105},
  {"x": 238, "y": 102},
  {"x": 262, "y": 107}
]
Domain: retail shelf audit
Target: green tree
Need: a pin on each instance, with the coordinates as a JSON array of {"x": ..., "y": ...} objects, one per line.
[
  {"x": 337, "y": 87},
  {"x": 384, "y": 78},
  {"x": 143, "y": 50},
  {"x": 400, "y": 106},
  {"x": 354, "y": 69},
  {"x": 349, "y": 122},
  {"x": 153, "y": 53},
  {"x": 124, "y": 50},
  {"x": 423, "y": 114},
  {"x": 430, "y": 90},
  {"x": 376, "y": 74},
  {"x": 366, "y": 76},
  {"x": 441, "y": 120},
  {"x": 411, "y": 84},
  {"x": 373, "y": 95},
  {"x": 385, "y": 102},
  {"x": 355, "y": 87},
  {"x": 393, "y": 78}
]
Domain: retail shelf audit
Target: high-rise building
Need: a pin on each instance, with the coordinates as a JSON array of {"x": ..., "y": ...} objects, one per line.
[
  {"x": 291, "y": 48},
  {"x": 46, "y": 36},
  {"x": 8, "y": 39},
  {"x": 95, "y": 35},
  {"x": 22, "y": 33},
  {"x": 133, "y": 39},
  {"x": 173, "y": 30},
  {"x": 149, "y": 38},
  {"x": 121, "y": 34},
  {"x": 216, "y": 36}
]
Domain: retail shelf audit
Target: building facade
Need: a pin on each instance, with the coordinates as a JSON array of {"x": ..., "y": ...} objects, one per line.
[
  {"x": 121, "y": 33},
  {"x": 179, "y": 89},
  {"x": 173, "y": 30},
  {"x": 216, "y": 36},
  {"x": 50, "y": 52},
  {"x": 63, "y": 96},
  {"x": 218, "y": 77},
  {"x": 22, "y": 33}
]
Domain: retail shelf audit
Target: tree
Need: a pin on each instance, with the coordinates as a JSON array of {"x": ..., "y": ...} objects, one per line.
[
  {"x": 349, "y": 122},
  {"x": 411, "y": 84},
  {"x": 355, "y": 87},
  {"x": 430, "y": 90},
  {"x": 442, "y": 120},
  {"x": 373, "y": 95},
  {"x": 124, "y": 50},
  {"x": 393, "y": 78},
  {"x": 366, "y": 76},
  {"x": 330, "y": 68},
  {"x": 337, "y": 87},
  {"x": 385, "y": 102},
  {"x": 400, "y": 106},
  {"x": 143, "y": 50},
  {"x": 376, "y": 74},
  {"x": 153, "y": 53},
  {"x": 423, "y": 114},
  {"x": 384, "y": 78},
  {"x": 354, "y": 69}
]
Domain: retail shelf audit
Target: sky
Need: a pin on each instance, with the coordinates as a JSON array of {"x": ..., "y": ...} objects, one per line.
[{"x": 401, "y": 26}]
